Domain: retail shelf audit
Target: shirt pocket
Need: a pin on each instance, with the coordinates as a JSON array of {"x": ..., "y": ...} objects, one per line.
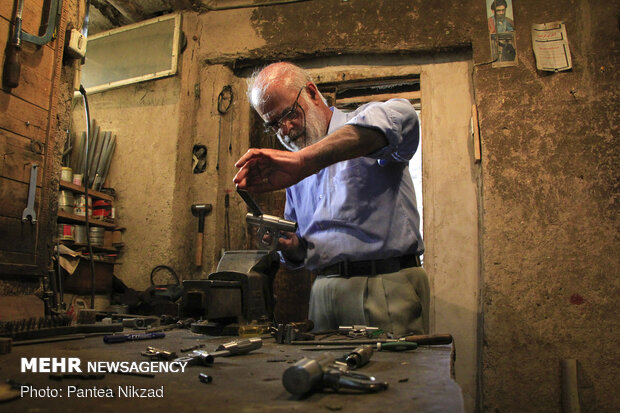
[{"x": 349, "y": 195}]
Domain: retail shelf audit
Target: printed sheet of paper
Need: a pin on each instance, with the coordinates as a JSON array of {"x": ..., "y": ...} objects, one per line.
[{"x": 551, "y": 47}]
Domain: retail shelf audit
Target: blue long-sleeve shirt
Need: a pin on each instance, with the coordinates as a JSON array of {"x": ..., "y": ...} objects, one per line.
[{"x": 363, "y": 208}]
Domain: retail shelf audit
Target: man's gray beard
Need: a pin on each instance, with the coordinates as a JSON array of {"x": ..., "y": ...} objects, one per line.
[{"x": 315, "y": 131}]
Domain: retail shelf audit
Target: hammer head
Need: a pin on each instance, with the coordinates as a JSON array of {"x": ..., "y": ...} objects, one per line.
[{"x": 201, "y": 209}]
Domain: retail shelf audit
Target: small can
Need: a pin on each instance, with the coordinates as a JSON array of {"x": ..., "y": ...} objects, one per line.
[
  {"x": 66, "y": 232},
  {"x": 80, "y": 206},
  {"x": 96, "y": 236},
  {"x": 80, "y": 234},
  {"x": 66, "y": 174},
  {"x": 66, "y": 201},
  {"x": 77, "y": 179},
  {"x": 102, "y": 209}
]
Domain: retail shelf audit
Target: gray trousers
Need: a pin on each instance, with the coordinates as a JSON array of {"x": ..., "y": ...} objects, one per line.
[{"x": 396, "y": 302}]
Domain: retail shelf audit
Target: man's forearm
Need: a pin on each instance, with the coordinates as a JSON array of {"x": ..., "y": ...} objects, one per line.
[{"x": 346, "y": 143}]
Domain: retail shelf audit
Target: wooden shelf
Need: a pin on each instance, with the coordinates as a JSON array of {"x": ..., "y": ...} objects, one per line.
[
  {"x": 76, "y": 246},
  {"x": 91, "y": 192},
  {"x": 63, "y": 215}
]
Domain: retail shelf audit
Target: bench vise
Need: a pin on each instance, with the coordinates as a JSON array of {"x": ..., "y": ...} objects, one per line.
[{"x": 240, "y": 291}]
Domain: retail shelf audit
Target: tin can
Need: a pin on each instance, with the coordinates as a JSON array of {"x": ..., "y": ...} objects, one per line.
[
  {"x": 66, "y": 174},
  {"x": 66, "y": 201},
  {"x": 77, "y": 179},
  {"x": 66, "y": 232},
  {"x": 80, "y": 206},
  {"x": 80, "y": 234},
  {"x": 96, "y": 236},
  {"x": 102, "y": 209}
]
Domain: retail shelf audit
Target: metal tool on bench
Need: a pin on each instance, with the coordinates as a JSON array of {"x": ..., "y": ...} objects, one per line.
[
  {"x": 159, "y": 353},
  {"x": 308, "y": 375},
  {"x": 233, "y": 348},
  {"x": 287, "y": 333},
  {"x": 269, "y": 226},
  {"x": 359, "y": 357},
  {"x": 358, "y": 331},
  {"x": 420, "y": 340},
  {"x": 241, "y": 290}
]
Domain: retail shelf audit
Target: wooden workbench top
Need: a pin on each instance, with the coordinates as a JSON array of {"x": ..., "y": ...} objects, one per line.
[{"x": 419, "y": 380}]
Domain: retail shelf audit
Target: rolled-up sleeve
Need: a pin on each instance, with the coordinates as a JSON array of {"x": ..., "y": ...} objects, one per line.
[{"x": 398, "y": 121}]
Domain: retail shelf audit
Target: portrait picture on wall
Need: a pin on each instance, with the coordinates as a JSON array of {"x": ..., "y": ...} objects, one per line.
[{"x": 502, "y": 32}]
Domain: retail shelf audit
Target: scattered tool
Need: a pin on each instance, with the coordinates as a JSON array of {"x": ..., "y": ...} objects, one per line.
[
  {"x": 200, "y": 211},
  {"x": 420, "y": 340},
  {"x": 233, "y": 348},
  {"x": 121, "y": 338},
  {"x": 391, "y": 346},
  {"x": 159, "y": 353},
  {"x": 205, "y": 378},
  {"x": 287, "y": 333},
  {"x": 309, "y": 375},
  {"x": 359, "y": 357},
  {"x": 359, "y": 331}
]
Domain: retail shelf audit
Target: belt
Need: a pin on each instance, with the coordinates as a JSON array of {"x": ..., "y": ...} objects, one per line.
[{"x": 370, "y": 267}]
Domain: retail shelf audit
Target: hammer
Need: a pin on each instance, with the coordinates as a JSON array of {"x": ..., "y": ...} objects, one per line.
[{"x": 200, "y": 210}]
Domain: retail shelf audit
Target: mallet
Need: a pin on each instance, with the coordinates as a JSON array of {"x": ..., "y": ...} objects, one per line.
[{"x": 200, "y": 210}]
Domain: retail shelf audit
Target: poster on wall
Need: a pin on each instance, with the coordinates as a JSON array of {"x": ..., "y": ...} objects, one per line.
[
  {"x": 502, "y": 32},
  {"x": 551, "y": 47}
]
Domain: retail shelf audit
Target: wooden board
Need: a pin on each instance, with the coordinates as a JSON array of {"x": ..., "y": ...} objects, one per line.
[
  {"x": 16, "y": 236},
  {"x": 17, "y": 156},
  {"x": 14, "y": 198}
]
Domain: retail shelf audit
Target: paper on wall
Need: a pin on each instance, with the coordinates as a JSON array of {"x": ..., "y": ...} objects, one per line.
[{"x": 551, "y": 47}]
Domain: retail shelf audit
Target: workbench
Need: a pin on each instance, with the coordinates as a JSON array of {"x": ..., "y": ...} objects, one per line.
[{"x": 420, "y": 380}]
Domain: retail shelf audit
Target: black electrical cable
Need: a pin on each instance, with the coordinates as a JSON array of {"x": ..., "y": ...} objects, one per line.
[{"x": 86, "y": 178}]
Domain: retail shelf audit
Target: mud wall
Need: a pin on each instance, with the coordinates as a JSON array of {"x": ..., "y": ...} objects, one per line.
[{"x": 549, "y": 188}]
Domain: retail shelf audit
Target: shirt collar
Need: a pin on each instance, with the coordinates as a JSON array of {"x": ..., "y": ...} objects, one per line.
[{"x": 338, "y": 119}]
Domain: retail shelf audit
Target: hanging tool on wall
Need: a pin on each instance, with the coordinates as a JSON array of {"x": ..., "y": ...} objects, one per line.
[
  {"x": 200, "y": 211},
  {"x": 224, "y": 101},
  {"x": 12, "y": 64}
]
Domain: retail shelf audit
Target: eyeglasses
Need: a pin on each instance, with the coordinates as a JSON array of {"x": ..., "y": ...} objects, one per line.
[{"x": 290, "y": 115}]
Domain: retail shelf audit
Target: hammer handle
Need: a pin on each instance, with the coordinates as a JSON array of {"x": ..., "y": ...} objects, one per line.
[
  {"x": 199, "y": 240},
  {"x": 430, "y": 339}
]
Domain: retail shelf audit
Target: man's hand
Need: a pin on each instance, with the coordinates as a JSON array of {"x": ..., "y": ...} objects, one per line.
[
  {"x": 263, "y": 170},
  {"x": 289, "y": 245}
]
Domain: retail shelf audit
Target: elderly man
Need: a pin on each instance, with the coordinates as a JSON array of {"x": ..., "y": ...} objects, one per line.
[{"x": 350, "y": 191}]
